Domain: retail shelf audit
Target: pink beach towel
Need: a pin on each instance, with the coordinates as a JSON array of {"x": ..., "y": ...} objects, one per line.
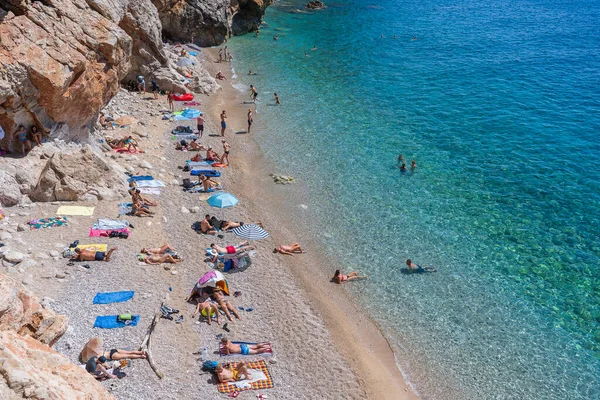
[{"x": 106, "y": 232}]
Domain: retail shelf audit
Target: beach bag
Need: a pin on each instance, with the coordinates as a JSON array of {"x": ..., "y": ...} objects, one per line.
[
  {"x": 124, "y": 317},
  {"x": 187, "y": 183},
  {"x": 210, "y": 366}
]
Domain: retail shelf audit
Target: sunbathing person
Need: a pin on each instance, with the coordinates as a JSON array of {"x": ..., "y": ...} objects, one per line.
[
  {"x": 338, "y": 277},
  {"x": 208, "y": 310},
  {"x": 289, "y": 250},
  {"x": 208, "y": 183},
  {"x": 139, "y": 210},
  {"x": 137, "y": 196},
  {"x": 155, "y": 259},
  {"x": 130, "y": 142},
  {"x": 244, "y": 246},
  {"x": 92, "y": 255},
  {"x": 211, "y": 155},
  {"x": 158, "y": 250},
  {"x": 132, "y": 188},
  {"x": 193, "y": 145},
  {"x": 234, "y": 374},
  {"x": 98, "y": 367},
  {"x": 244, "y": 349},
  {"x": 220, "y": 76},
  {"x": 224, "y": 304}
]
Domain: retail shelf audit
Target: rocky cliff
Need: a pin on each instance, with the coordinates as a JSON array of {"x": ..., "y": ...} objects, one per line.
[{"x": 209, "y": 22}]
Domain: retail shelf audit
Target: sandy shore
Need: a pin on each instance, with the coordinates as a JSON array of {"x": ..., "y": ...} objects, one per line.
[{"x": 324, "y": 346}]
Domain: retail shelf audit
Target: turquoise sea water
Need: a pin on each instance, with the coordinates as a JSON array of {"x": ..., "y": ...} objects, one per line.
[{"x": 499, "y": 104}]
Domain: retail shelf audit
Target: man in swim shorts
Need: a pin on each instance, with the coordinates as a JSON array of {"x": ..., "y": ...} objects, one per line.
[
  {"x": 223, "y": 123},
  {"x": 244, "y": 246},
  {"x": 254, "y": 93},
  {"x": 200, "y": 125},
  {"x": 244, "y": 349},
  {"x": 92, "y": 255},
  {"x": 250, "y": 120},
  {"x": 226, "y": 148}
]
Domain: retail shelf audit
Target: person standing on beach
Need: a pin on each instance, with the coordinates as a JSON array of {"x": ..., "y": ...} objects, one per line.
[
  {"x": 220, "y": 55},
  {"x": 171, "y": 103},
  {"x": 223, "y": 123},
  {"x": 225, "y": 53},
  {"x": 276, "y": 99},
  {"x": 253, "y": 94},
  {"x": 250, "y": 120},
  {"x": 226, "y": 148},
  {"x": 200, "y": 125}
]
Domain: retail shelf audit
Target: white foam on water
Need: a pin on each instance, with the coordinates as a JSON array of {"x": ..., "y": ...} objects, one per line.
[{"x": 241, "y": 87}]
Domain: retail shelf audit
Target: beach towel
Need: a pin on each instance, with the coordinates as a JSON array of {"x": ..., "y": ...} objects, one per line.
[
  {"x": 110, "y": 322},
  {"x": 257, "y": 382},
  {"x": 75, "y": 210},
  {"x": 106, "y": 232},
  {"x": 47, "y": 222},
  {"x": 222, "y": 350},
  {"x": 149, "y": 190},
  {"x": 153, "y": 184},
  {"x": 206, "y": 172},
  {"x": 185, "y": 136},
  {"x": 140, "y": 178},
  {"x": 205, "y": 163},
  {"x": 191, "y": 103},
  {"x": 92, "y": 247},
  {"x": 200, "y": 189},
  {"x": 107, "y": 223},
  {"x": 125, "y": 208},
  {"x": 113, "y": 297}
]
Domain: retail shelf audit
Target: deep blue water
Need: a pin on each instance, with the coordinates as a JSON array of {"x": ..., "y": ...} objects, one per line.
[{"x": 499, "y": 104}]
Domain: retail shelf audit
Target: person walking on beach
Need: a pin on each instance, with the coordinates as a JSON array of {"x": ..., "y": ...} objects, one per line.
[
  {"x": 223, "y": 123},
  {"x": 250, "y": 120},
  {"x": 171, "y": 102},
  {"x": 220, "y": 55},
  {"x": 253, "y": 93},
  {"x": 276, "y": 99},
  {"x": 226, "y": 148},
  {"x": 200, "y": 125}
]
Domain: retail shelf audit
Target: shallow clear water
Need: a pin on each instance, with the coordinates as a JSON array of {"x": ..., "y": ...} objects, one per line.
[{"x": 499, "y": 104}]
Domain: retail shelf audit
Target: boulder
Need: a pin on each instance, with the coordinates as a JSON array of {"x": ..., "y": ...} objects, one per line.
[
  {"x": 32, "y": 370},
  {"x": 10, "y": 194},
  {"x": 14, "y": 257},
  {"x": 21, "y": 312}
]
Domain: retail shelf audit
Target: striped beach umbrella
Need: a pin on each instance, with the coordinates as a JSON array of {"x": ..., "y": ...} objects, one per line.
[{"x": 251, "y": 232}]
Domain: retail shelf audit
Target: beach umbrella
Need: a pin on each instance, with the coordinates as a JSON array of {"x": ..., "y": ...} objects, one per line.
[
  {"x": 125, "y": 120},
  {"x": 251, "y": 232},
  {"x": 92, "y": 348},
  {"x": 222, "y": 200},
  {"x": 214, "y": 279},
  {"x": 184, "y": 62}
]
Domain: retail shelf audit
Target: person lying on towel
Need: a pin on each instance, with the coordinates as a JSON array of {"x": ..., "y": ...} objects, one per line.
[
  {"x": 244, "y": 349},
  {"x": 154, "y": 259},
  {"x": 92, "y": 255},
  {"x": 234, "y": 374},
  {"x": 289, "y": 250},
  {"x": 210, "y": 225},
  {"x": 244, "y": 246},
  {"x": 165, "y": 248},
  {"x": 99, "y": 366}
]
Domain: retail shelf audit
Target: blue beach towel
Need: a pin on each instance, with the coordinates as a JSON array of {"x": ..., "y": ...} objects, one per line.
[
  {"x": 125, "y": 208},
  {"x": 113, "y": 297},
  {"x": 110, "y": 322},
  {"x": 140, "y": 178}
]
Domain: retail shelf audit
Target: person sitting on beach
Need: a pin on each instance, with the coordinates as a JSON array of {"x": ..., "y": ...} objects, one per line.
[
  {"x": 105, "y": 122},
  {"x": 412, "y": 267},
  {"x": 132, "y": 188},
  {"x": 211, "y": 155},
  {"x": 21, "y": 137},
  {"x": 193, "y": 145},
  {"x": 236, "y": 248},
  {"x": 155, "y": 259},
  {"x": 92, "y": 255},
  {"x": 224, "y": 304},
  {"x": 232, "y": 375},
  {"x": 338, "y": 277},
  {"x": 207, "y": 310},
  {"x": 206, "y": 227},
  {"x": 36, "y": 135},
  {"x": 226, "y": 148},
  {"x": 139, "y": 210},
  {"x": 137, "y": 196},
  {"x": 99, "y": 366},
  {"x": 289, "y": 250},
  {"x": 130, "y": 142},
  {"x": 220, "y": 76},
  {"x": 207, "y": 183},
  {"x": 244, "y": 349},
  {"x": 165, "y": 248},
  {"x": 413, "y": 165}
]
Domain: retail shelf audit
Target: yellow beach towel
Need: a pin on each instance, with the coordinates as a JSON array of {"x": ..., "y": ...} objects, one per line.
[
  {"x": 75, "y": 210},
  {"x": 97, "y": 247}
]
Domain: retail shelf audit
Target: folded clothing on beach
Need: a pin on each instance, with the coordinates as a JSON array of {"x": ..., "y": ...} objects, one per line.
[
  {"x": 223, "y": 354},
  {"x": 209, "y": 173},
  {"x": 181, "y": 129},
  {"x": 149, "y": 190},
  {"x": 200, "y": 189},
  {"x": 107, "y": 232},
  {"x": 47, "y": 222},
  {"x": 140, "y": 178},
  {"x": 154, "y": 184},
  {"x": 112, "y": 321},
  {"x": 125, "y": 208},
  {"x": 93, "y": 247},
  {"x": 75, "y": 210},
  {"x": 257, "y": 382},
  {"x": 113, "y": 297}
]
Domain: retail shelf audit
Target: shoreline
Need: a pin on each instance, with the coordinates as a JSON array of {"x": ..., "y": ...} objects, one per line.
[{"x": 357, "y": 338}]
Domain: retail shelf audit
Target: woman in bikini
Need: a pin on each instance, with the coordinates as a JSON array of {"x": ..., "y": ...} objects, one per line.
[
  {"x": 36, "y": 135},
  {"x": 338, "y": 277},
  {"x": 21, "y": 136}
]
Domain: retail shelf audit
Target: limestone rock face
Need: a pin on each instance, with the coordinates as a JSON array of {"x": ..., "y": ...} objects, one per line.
[
  {"x": 209, "y": 22},
  {"x": 21, "y": 312},
  {"x": 61, "y": 61},
  {"x": 32, "y": 370}
]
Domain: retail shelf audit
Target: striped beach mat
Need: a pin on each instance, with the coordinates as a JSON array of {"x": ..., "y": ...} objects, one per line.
[{"x": 261, "y": 366}]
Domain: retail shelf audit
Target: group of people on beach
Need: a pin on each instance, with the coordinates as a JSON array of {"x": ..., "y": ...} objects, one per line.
[
  {"x": 22, "y": 139},
  {"x": 140, "y": 204}
]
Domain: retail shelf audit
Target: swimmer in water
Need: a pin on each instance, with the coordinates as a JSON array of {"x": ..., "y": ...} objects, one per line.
[
  {"x": 403, "y": 168},
  {"x": 400, "y": 158},
  {"x": 412, "y": 267},
  {"x": 314, "y": 48},
  {"x": 251, "y": 73},
  {"x": 413, "y": 165},
  {"x": 275, "y": 38},
  {"x": 306, "y": 55},
  {"x": 415, "y": 38}
]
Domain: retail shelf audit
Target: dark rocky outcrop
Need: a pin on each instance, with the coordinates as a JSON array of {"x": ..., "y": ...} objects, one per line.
[{"x": 209, "y": 23}]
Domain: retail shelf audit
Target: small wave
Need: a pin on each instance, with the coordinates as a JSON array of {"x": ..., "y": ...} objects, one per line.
[{"x": 241, "y": 87}]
